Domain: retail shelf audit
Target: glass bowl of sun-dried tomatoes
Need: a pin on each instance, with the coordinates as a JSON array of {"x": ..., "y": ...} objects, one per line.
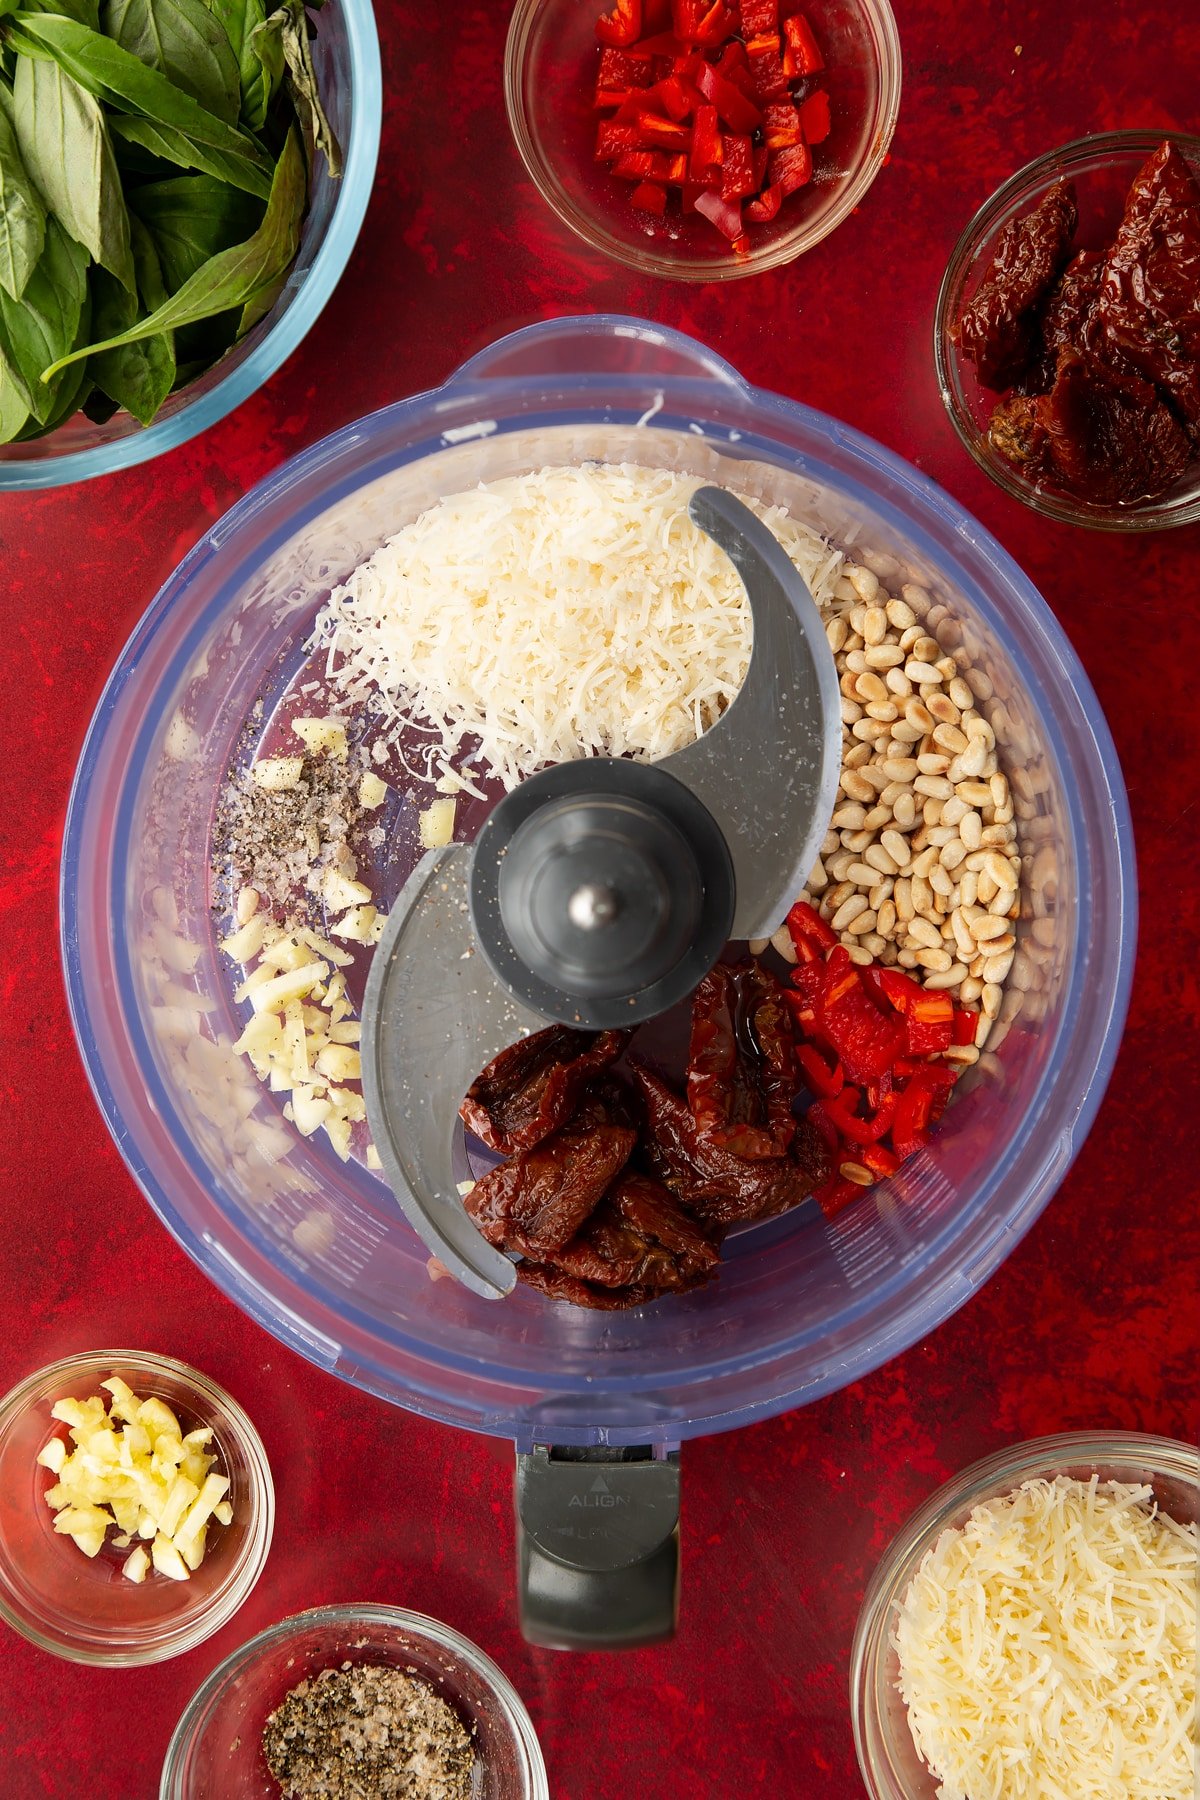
[
  {"x": 1067, "y": 332},
  {"x": 702, "y": 139}
]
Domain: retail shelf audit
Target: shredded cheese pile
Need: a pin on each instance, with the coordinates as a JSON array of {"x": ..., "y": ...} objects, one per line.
[
  {"x": 570, "y": 612},
  {"x": 1048, "y": 1648}
]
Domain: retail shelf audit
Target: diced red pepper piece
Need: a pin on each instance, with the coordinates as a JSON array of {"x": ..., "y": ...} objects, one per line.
[
  {"x": 678, "y": 170},
  {"x": 726, "y": 215},
  {"x": 623, "y": 69},
  {"x": 648, "y": 197},
  {"x": 715, "y": 24},
  {"x": 804, "y": 921},
  {"x": 758, "y": 17},
  {"x": 913, "y": 1109},
  {"x": 643, "y": 165},
  {"x": 707, "y": 149},
  {"x": 824, "y": 1081},
  {"x": 739, "y": 114},
  {"x": 737, "y": 178},
  {"x": 622, "y": 26},
  {"x": 761, "y": 153},
  {"x": 679, "y": 98},
  {"x": 834, "y": 1195},
  {"x": 781, "y": 126},
  {"x": 966, "y": 1024},
  {"x": 654, "y": 133},
  {"x": 613, "y": 140},
  {"x": 814, "y": 117},
  {"x": 866, "y": 1042},
  {"x": 927, "y": 1037},
  {"x": 900, "y": 989},
  {"x": 766, "y": 68},
  {"x": 791, "y": 169},
  {"x": 860, "y": 1131},
  {"x": 822, "y": 1120},
  {"x": 801, "y": 56},
  {"x": 626, "y": 100},
  {"x": 879, "y": 1159},
  {"x": 657, "y": 17}
]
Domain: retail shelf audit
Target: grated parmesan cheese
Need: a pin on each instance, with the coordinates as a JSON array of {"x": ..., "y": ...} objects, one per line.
[
  {"x": 565, "y": 613},
  {"x": 1048, "y": 1648}
]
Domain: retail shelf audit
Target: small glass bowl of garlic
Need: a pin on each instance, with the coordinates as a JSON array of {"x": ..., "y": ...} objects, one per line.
[{"x": 136, "y": 1508}]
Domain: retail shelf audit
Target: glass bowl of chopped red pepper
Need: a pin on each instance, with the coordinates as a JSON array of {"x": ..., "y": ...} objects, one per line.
[
  {"x": 1067, "y": 332},
  {"x": 703, "y": 141},
  {"x": 218, "y": 1744}
]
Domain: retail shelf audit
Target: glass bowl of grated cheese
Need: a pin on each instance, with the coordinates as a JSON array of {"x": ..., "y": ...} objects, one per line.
[{"x": 1033, "y": 1627}]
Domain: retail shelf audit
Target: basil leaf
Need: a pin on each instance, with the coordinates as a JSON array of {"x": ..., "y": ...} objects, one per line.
[
  {"x": 14, "y": 402},
  {"x": 44, "y": 324},
  {"x": 66, "y": 149},
  {"x": 112, "y": 74},
  {"x": 190, "y": 218},
  {"x": 183, "y": 40},
  {"x": 22, "y": 215},
  {"x": 138, "y": 376},
  {"x": 174, "y": 146},
  {"x": 86, "y": 11},
  {"x": 231, "y": 277},
  {"x": 258, "y": 74},
  {"x": 290, "y": 22},
  {"x": 72, "y": 390}
]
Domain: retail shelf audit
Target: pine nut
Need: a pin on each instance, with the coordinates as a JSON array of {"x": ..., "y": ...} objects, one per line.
[
  {"x": 949, "y": 979},
  {"x": 961, "y": 694},
  {"x": 921, "y": 674},
  {"x": 883, "y": 656},
  {"x": 864, "y": 583},
  {"x": 878, "y": 858},
  {"x": 901, "y": 768},
  {"x": 1001, "y": 871},
  {"x": 989, "y": 999},
  {"x": 886, "y": 918},
  {"x": 857, "y": 841},
  {"x": 936, "y": 961},
  {"x": 950, "y": 738},
  {"x": 996, "y": 968},
  {"x": 961, "y": 1053},
  {"x": 856, "y": 785},
  {"x": 904, "y": 811},
  {"x": 925, "y": 861},
  {"x": 818, "y": 879},
  {"x": 898, "y": 683},
  {"x": 996, "y": 836},
  {"x": 849, "y": 818},
  {"x": 864, "y": 922},
  {"x": 842, "y": 891},
  {"x": 962, "y": 936},
  {"x": 874, "y": 625},
  {"x": 940, "y": 882},
  {"x": 905, "y": 910},
  {"x": 999, "y": 787},
  {"x": 975, "y": 793},
  {"x": 878, "y": 815},
  {"x": 756, "y": 946},
  {"x": 883, "y": 711},
  {"x": 855, "y": 1172},
  {"x": 936, "y": 786},
  {"x": 986, "y": 927},
  {"x": 861, "y": 874},
  {"x": 880, "y": 892},
  {"x": 917, "y": 598},
  {"x": 858, "y": 953},
  {"x": 999, "y": 946},
  {"x": 855, "y": 758},
  {"x": 917, "y": 714},
  {"x": 782, "y": 942},
  {"x": 847, "y": 911},
  {"x": 897, "y": 848},
  {"x": 907, "y": 959},
  {"x": 944, "y": 711},
  {"x": 900, "y": 615},
  {"x": 830, "y": 843},
  {"x": 921, "y": 932},
  {"x": 835, "y": 632},
  {"x": 968, "y": 887},
  {"x": 929, "y": 763},
  {"x": 868, "y": 686}
]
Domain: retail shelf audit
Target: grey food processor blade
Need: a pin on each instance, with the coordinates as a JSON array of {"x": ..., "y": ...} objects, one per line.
[
  {"x": 456, "y": 978},
  {"x": 768, "y": 769}
]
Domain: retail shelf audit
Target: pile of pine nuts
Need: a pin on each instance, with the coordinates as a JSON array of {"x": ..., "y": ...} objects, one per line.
[{"x": 920, "y": 867}]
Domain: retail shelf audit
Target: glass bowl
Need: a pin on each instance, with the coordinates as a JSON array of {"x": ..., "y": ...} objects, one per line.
[
  {"x": 83, "y": 1608},
  {"x": 887, "y": 1756},
  {"x": 1102, "y": 168},
  {"x": 549, "y": 78},
  {"x": 217, "y": 1749},
  {"x": 346, "y": 54}
]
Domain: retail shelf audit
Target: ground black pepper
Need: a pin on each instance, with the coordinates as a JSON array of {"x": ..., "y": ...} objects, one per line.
[
  {"x": 368, "y": 1732},
  {"x": 278, "y": 841}
]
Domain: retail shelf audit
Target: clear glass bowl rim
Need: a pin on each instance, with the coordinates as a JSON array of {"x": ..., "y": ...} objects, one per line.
[
  {"x": 247, "y": 376},
  {"x": 1000, "y": 1473},
  {"x": 728, "y": 268},
  {"x": 1062, "y": 161},
  {"x": 224, "y": 1601},
  {"x": 347, "y": 1615}
]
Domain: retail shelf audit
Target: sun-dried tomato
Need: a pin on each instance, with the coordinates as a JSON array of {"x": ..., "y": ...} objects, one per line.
[
  {"x": 997, "y": 328},
  {"x": 532, "y": 1088},
  {"x": 537, "y": 1202},
  {"x": 640, "y": 1236},
  {"x": 741, "y": 1068}
]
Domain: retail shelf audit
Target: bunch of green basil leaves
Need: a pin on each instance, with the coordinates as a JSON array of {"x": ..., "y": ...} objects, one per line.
[{"x": 155, "y": 161}]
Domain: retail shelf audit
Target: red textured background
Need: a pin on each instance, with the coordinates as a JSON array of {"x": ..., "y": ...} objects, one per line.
[{"x": 1092, "y": 1322}]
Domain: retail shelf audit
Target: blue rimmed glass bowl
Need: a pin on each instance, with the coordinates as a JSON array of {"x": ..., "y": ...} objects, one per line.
[{"x": 346, "y": 55}]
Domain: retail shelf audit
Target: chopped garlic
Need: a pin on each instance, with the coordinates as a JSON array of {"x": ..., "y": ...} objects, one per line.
[
  {"x": 436, "y": 824},
  {"x": 323, "y": 736},
  {"x": 372, "y": 792},
  {"x": 275, "y": 774}
]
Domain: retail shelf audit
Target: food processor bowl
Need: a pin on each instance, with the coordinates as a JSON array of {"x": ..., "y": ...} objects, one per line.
[{"x": 317, "y": 1250}]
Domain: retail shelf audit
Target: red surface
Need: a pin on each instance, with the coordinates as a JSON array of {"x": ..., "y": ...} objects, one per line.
[{"x": 1092, "y": 1322}]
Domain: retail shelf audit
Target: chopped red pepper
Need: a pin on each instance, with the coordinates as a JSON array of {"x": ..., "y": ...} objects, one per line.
[
  {"x": 860, "y": 1131},
  {"x": 879, "y": 1159},
  {"x": 714, "y": 84},
  {"x": 707, "y": 150},
  {"x": 966, "y": 1024},
  {"x": 649, "y": 197},
  {"x": 738, "y": 113},
  {"x": 823, "y": 1080},
  {"x": 927, "y": 1037},
  {"x": 801, "y": 57},
  {"x": 834, "y": 1195},
  {"x": 622, "y": 26},
  {"x": 791, "y": 169},
  {"x": 781, "y": 126},
  {"x": 804, "y": 921},
  {"x": 814, "y": 117},
  {"x": 737, "y": 178},
  {"x": 643, "y": 165}
]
